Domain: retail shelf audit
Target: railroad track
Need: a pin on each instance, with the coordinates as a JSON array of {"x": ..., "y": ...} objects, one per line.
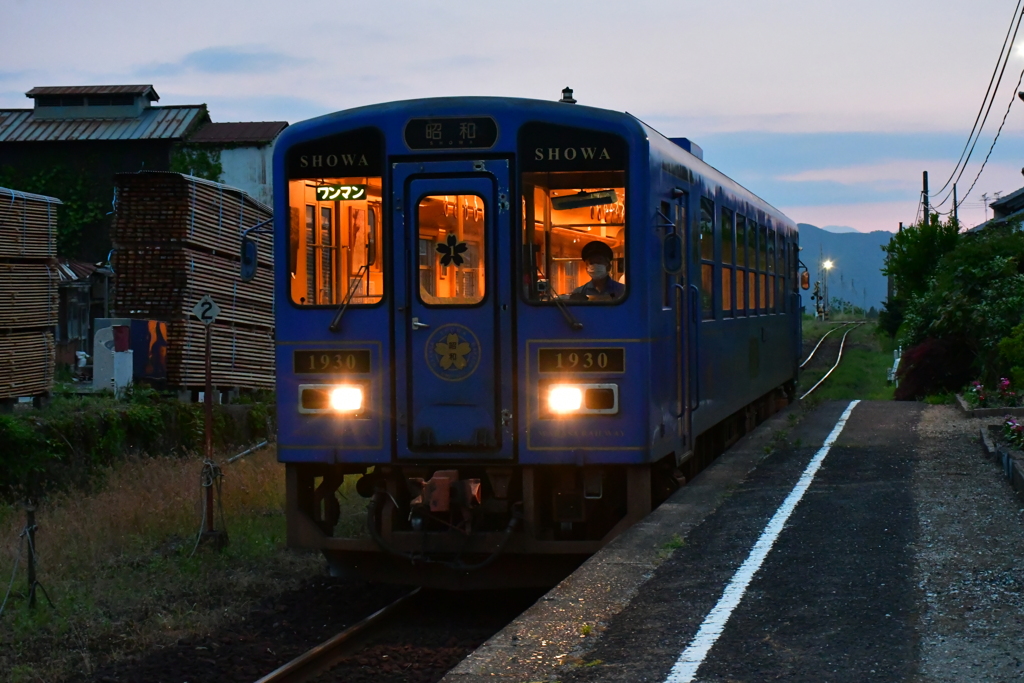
[
  {"x": 327, "y": 654},
  {"x": 850, "y": 328}
]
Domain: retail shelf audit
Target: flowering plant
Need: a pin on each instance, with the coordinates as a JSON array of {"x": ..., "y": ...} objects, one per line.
[
  {"x": 1007, "y": 396},
  {"x": 1013, "y": 432},
  {"x": 975, "y": 395}
]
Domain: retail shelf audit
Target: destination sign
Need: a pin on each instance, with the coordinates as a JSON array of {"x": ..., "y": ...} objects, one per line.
[
  {"x": 480, "y": 132},
  {"x": 581, "y": 360},
  {"x": 340, "y": 193},
  {"x": 332, "y": 362}
]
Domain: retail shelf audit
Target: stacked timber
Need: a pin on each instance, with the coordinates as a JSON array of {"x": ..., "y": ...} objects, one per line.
[
  {"x": 176, "y": 239},
  {"x": 28, "y": 293}
]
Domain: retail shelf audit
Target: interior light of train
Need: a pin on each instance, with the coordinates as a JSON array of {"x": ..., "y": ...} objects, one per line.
[
  {"x": 336, "y": 193},
  {"x": 565, "y": 399},
  {"x": 347, "y": 398}
]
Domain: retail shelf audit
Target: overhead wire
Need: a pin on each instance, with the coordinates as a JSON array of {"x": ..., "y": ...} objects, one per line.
[
  {"x": 1003, "y": 57},
  {"x": 991, "y": 101},
  {"x": 993, "y": 145}
]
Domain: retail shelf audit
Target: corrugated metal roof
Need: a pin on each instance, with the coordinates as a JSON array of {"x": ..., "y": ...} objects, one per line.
[
  {"x": 155, "y": 123},
  {"x": 95, "y": 90},
  {"x": 251, "y": 131}
]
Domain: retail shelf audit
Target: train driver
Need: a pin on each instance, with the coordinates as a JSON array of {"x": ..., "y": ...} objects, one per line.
[{"x": 598, "y": 257}]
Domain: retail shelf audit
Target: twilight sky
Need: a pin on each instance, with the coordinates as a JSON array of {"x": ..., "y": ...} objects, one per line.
[{"x": 829, "y": 110}]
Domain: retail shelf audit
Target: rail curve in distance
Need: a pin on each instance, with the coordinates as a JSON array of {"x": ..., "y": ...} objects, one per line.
[{"x": 842, "y": 345}]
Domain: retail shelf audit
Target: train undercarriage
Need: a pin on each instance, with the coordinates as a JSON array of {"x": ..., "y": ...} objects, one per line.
[{"x": 467, "y": 526}]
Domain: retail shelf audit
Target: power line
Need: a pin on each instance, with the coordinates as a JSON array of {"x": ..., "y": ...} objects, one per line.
[
  {"x": 1004, "y": 56},
  {"x": 992, "y": 146},
  {"x": 985, "y": 118}
]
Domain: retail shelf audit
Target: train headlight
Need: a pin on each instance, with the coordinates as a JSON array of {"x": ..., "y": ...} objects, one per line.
[
  {"x": 582, "y": 399},
  {"x": 564, "y": 399},
  {"x": 346, "y": 399}
]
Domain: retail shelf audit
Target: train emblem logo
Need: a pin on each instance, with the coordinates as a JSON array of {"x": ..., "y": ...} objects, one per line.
[{"x": 453, "y": 352}]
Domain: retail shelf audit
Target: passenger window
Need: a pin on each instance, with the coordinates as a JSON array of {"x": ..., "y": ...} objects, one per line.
[
  {"x": 762, "y": 267},
  {"x": 771, "y": 269},
  {"x": 707, "y": 255},
  {"x": 334, "y": 238},
  {"x": 574, "y": 236},
  {"x": 741, "y": 262},
  {"x": 727, "y": 260},
  {"x": 452, "y": 242}
]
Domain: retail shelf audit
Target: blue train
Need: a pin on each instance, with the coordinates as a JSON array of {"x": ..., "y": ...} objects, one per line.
[{"x": 519, "y": 325}]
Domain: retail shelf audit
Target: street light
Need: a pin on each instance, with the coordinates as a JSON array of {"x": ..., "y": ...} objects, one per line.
[{"x": 827, "y": 265}]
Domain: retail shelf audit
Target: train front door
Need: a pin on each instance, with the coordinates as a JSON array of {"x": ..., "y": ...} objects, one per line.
[{"x": 453, "y": 309}]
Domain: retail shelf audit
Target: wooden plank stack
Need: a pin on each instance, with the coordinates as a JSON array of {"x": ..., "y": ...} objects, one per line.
[
  {"x": 177, "y": 238},
  {"x": 28, "y": 293}
]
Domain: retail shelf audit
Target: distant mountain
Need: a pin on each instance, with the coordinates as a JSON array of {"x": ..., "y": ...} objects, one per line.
[
  {"x": 839, "y": 228},
  {"x": 857, "y": 257}
]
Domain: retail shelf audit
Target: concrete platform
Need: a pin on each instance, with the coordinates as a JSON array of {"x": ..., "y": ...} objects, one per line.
[{"x": 837, "y": 597}]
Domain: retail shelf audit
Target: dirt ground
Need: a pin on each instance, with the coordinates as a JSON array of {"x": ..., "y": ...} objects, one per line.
[{"x": 970, "y": 556}]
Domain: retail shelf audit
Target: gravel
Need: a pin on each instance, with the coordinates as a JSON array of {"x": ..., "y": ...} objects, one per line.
[{"x": 969, "y": 555}]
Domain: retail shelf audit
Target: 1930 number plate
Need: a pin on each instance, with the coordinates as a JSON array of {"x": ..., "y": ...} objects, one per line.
[
  {"x": 581, "y": 360},
  {"x": 332, "y": 362}
]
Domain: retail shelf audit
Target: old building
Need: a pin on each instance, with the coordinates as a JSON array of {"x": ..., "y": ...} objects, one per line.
[
  {"x": 245, "y": 152},
  {"x": 74, "y": 140}
]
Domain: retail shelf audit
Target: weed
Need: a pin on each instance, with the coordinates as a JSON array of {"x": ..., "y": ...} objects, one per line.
[
  {"x": 117, "y": 563},
  {"x": 674, "y": 543},
  {"x": 586, "y": 630}
]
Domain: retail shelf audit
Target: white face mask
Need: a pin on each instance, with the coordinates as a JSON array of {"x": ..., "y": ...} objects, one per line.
[{"x": 597, "y": 271}]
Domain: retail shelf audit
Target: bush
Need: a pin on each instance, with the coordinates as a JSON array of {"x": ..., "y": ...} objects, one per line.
[
  {"x": 75, "y": 437},
  {"x": 935, "y": 366}
]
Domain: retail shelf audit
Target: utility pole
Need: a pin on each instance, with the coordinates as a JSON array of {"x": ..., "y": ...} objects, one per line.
[
  {"x": 984, "y": 201},
  {"x": 924, "y": 196},
  {"x": 956, "y": 216}
]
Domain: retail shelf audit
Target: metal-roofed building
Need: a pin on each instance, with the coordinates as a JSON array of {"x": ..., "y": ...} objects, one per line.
[
  {"x": 89, "y": 133},
  {"x": 1006, "y": 209},
  {"x": 245, "y": 151}
]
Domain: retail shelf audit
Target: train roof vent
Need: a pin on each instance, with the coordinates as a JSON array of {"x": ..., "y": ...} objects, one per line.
[
  {"x": 567, "y": 96},
  {"x": 690, "y": 146}
]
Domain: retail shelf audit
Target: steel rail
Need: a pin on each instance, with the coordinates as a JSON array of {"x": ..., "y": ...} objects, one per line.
[
  {"x": 840, "y": 358},
  {"x": 808, "y": 359},
  {"x": 326, "y": 654}
]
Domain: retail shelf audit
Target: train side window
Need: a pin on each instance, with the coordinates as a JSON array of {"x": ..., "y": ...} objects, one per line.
[
  {"x": 762, "y": 267},
  {"x": 771, "y": 270},
  {"x": 707, "y": 257},
  {"x": 335, "y": 233},
  {"x": 741, "y": 264},
  {"x": 568, "y": 216},
  {"x": 728, "y": 252}
]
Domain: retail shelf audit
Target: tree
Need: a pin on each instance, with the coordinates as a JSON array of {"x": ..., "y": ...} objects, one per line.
[{"x": 912, "y": 256}]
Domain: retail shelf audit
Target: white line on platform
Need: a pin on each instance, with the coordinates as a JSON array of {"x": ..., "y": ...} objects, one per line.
[{"x": 693, "y": 656}]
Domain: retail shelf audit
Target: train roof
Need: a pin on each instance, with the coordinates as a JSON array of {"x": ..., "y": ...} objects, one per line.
[{"x": 551, "y": 111}]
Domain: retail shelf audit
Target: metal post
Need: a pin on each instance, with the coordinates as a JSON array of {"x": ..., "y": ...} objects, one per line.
[
  {"x": 924, "y": 196},
  {"x": 30, "y": 526},
  {"x": 208, "y": 401}
]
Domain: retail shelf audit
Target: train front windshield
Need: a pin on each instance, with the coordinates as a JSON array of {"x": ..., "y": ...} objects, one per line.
[
  {"x": 574, "y": 236},
  {"x": 334, "y": 234}
]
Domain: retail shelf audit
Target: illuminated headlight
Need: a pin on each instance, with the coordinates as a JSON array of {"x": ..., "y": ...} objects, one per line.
[
  {"x": 564, "y": 399},
  {"x": 347, "y": 399},
  {"x": 583, "y": 399},
  {"x": 342, "y": 399}
]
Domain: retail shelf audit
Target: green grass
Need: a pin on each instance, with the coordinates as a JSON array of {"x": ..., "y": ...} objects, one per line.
[{"x": 862, "y": 374}]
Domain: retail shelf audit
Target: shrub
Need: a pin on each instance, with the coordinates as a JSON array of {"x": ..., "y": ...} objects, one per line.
[{"x": 934, "y": 366}]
